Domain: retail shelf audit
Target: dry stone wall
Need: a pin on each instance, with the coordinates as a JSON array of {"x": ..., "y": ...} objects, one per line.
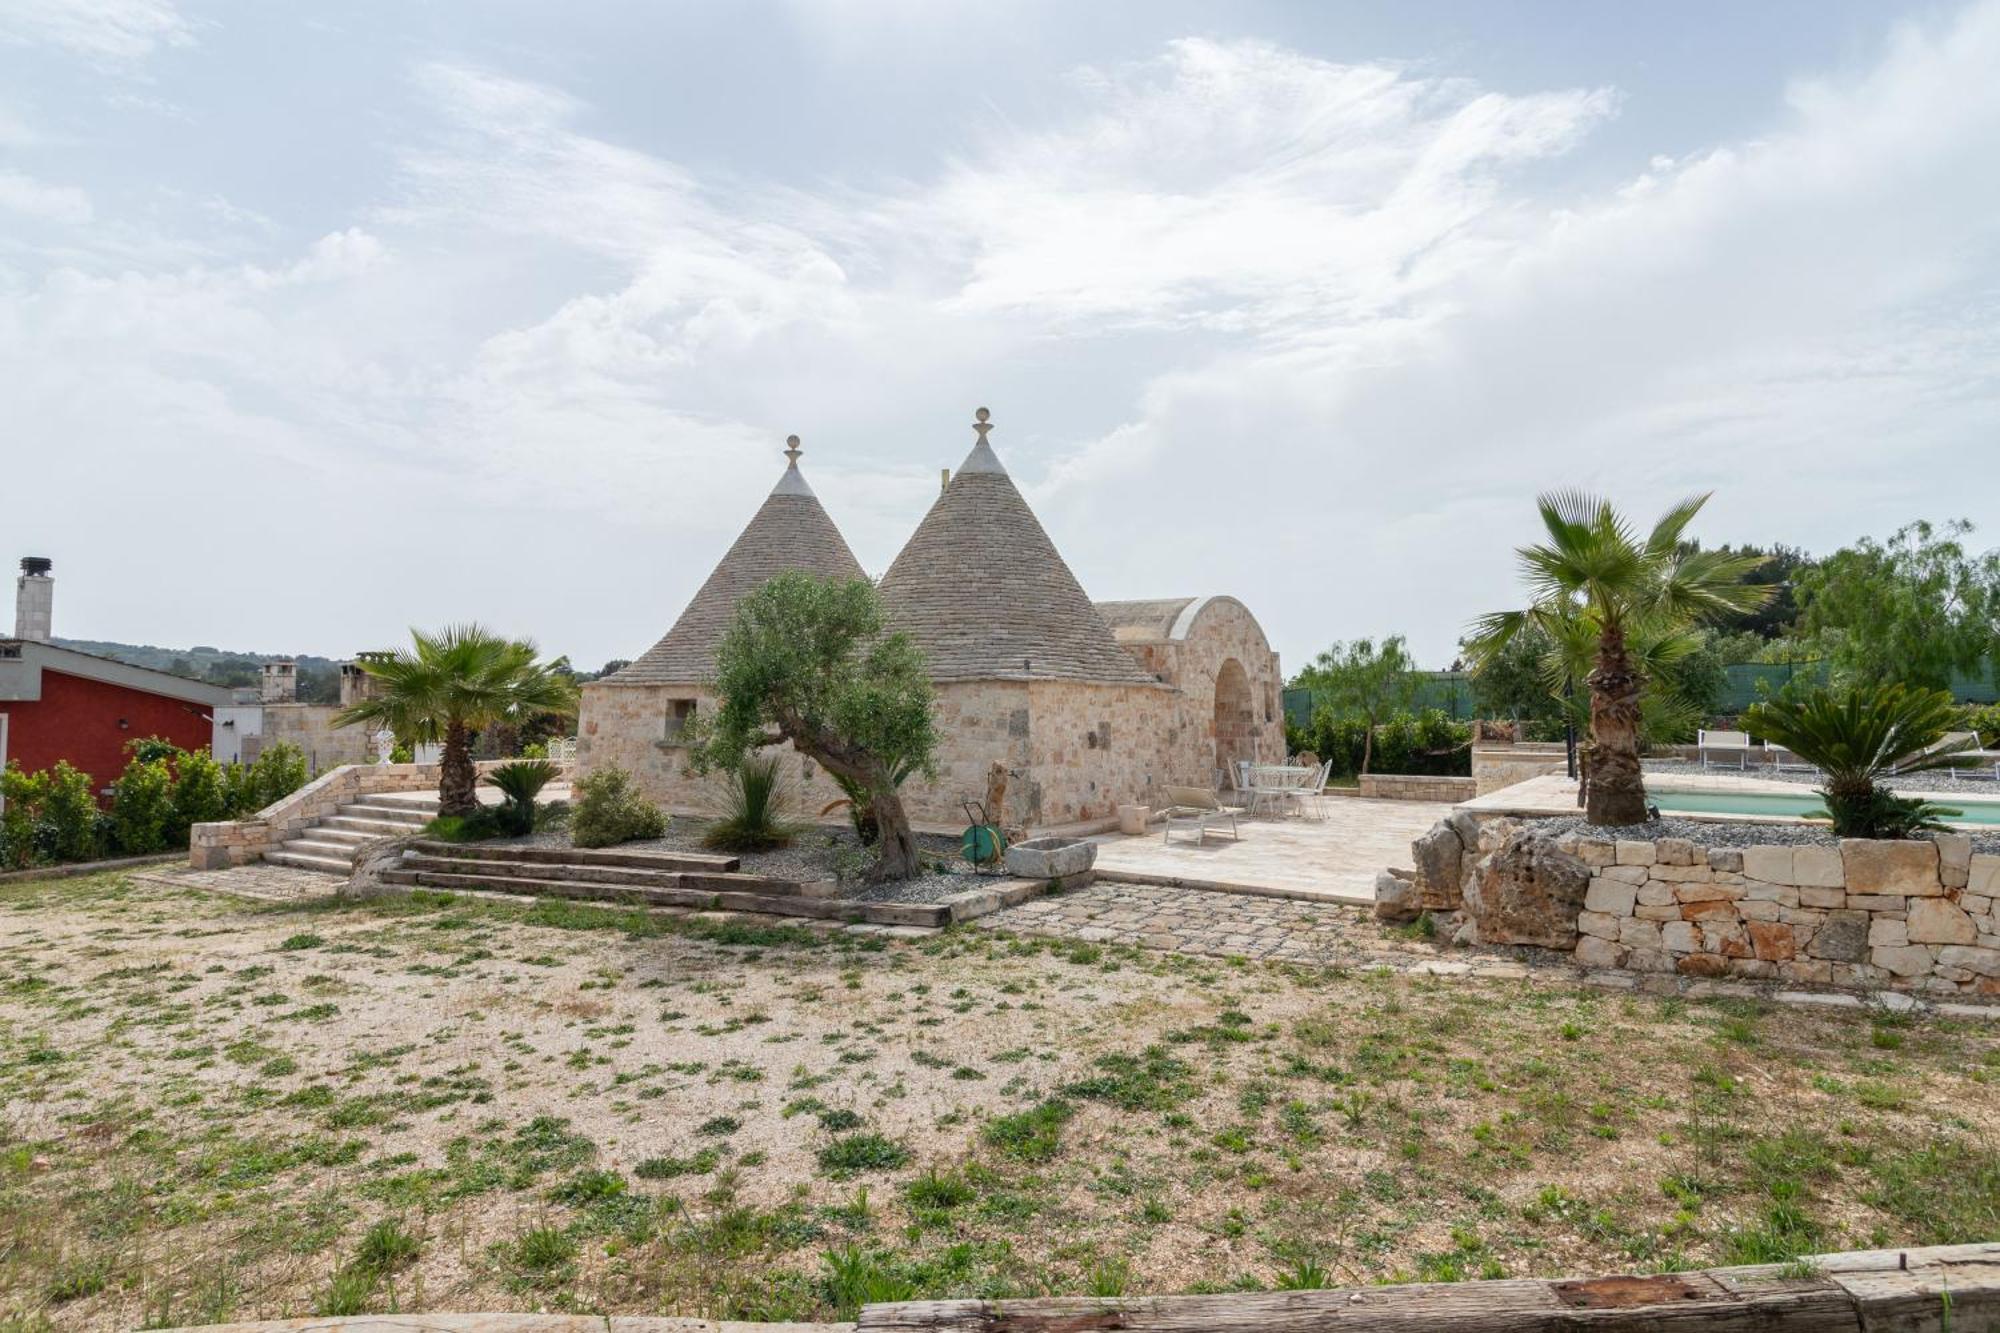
[
  {"x": 1416, "y": 787},
  {"x": 1910, "y": 915},
  {"x": 1913, "y": 915}
]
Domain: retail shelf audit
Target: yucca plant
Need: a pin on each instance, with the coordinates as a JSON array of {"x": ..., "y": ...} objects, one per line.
[
  {"x": 1859, "y": 738},
  {"x": 861, "y": 810},
  {"x": 520, "y": 782},
  {"x": 752, "y": 817}
]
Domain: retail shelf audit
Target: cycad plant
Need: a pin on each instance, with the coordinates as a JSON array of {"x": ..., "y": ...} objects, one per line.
[
  {"x": 752, "y": 817},
  {"x": 451, "y": 684},
  {"x": 1598, "y": 579},
  {"x": 1859, "y": 738},
  {"x": 520, "y": 782}
]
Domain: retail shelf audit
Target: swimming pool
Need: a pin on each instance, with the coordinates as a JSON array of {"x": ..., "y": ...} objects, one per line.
[{"x": 1973, "y": 811}]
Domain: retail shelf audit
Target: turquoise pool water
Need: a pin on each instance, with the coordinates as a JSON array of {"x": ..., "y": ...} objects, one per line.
[{"x": 1983, "y": 813}]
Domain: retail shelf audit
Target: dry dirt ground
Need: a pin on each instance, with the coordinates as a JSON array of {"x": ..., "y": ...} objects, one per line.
[{"x": 224, "y": 1110}]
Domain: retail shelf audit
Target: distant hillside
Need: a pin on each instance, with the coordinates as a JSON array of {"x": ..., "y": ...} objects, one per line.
[{"x": 319, "y": 677}]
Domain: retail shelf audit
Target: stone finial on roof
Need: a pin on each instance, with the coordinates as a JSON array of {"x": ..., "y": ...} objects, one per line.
[
  {"x": 982, "y": 458},
  {"x": 792, "y": 482}
]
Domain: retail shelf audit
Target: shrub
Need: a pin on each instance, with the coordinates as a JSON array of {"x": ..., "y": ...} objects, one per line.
[
  {"x": 142, "y": 806},
  {"x": 753, "y": 803},
  {"x": 69, "y": 815},
  {"x": 200, "y": 789},
  {"x": 1859, "y": 738},
  {"x": 50, "y": 816},
  {"x": 607, "y": 810},
  {"x": 278, "y": 772},
  {"x": 479, "y": 826},
  {"x": 1426, "y": 742},
  {"x": 22, "y": 792},
  {"x": 520, "y": 782}
]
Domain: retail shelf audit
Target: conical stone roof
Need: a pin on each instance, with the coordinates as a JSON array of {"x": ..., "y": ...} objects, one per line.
[
  {"x": 790, "y": 531},
  {"x": 986, "y": 595}
]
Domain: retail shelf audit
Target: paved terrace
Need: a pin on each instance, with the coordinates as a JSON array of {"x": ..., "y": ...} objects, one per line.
[{"x": 1334, "y": 860}]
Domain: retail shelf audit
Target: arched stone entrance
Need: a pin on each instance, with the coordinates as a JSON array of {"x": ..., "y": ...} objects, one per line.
[{"x": 1235, "y": 715}]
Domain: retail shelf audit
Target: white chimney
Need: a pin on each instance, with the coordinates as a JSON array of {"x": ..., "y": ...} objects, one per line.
[
  {"x": 34, "y": 599},
  {"x": 281, "y": 682}
]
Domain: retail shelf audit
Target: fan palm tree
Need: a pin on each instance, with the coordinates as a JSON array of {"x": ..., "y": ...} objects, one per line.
[
  {"x": 1632, "y": 597},
  {"x": 451, "y": 684}
]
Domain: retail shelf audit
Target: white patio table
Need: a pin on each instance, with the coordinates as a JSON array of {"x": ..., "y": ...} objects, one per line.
[{"x": 1276, "y": 785}]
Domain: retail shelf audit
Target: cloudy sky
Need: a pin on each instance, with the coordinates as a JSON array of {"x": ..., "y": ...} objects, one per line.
[{"x": 320, "y": 321}]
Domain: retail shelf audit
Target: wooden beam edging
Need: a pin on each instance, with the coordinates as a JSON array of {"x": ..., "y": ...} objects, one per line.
[{"x": 1942, "y": 1289}]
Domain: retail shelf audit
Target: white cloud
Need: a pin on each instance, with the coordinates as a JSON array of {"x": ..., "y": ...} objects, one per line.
[
  {"x": 29, "y": 197},
  {"x": 1250, "y": 321},
  {"x": 109, "y": 32}
]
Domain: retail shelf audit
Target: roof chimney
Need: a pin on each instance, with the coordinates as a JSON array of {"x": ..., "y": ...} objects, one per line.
[
  {"x": 281, "y": 682},
  {"x": 34, "y": 599}
]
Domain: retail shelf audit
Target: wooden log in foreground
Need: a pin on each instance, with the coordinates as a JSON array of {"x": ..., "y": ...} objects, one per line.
[{"x": 1943, "y": 1289}]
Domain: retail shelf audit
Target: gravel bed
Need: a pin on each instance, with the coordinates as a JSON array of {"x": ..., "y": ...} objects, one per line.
[
  {"x": 1935, "y": 781},
  {"x": 816, "y": 853},
  {"x": 1722, "y": 833}
]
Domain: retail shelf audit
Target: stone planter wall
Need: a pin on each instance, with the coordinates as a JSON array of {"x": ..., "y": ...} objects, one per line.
[
  {"x": 1417, "y": 787},
  {"x": 1914, "y": 915}
]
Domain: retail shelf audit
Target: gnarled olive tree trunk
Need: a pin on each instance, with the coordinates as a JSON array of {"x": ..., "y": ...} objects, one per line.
[
  {"x": 896, "y": 842},
  {"x": 1616, "y": 790}
]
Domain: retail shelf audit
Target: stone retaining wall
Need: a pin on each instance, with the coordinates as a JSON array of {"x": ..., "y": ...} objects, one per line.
[
  {"x": 1417, "y": 787},
  {"x": 1917, "y": 915},
  {"x": 1496, "y": 765},
  {"x": 1922, "y": 914},
  {"x": 236, "y": 842}
]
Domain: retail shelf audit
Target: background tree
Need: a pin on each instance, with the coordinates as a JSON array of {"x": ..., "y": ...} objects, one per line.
[
  {"x": 451, "y": 684},
  {"x": 1595, "y": 583},
  {"x": 1363, "y": 681},
  {"x": 1912, "y": 610},
  {"x": 806, "y": 662}
]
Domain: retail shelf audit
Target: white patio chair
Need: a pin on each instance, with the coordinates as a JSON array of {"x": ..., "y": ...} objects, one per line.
[
  {"x": 1715, "y": 745},
  {"x": 1314, "y": 791},
  {"x": 1974, "y": 761},
  {"x": 1784, "y": 761},
  {"x": 1197, "y": 808}
]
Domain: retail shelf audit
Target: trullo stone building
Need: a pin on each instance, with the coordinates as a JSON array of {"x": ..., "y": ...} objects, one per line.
[{"x": 1089, "y": 706}]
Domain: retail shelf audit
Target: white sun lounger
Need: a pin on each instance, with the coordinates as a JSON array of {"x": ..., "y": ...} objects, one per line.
[
  {"x": 1714, "y": 746},
  {"x": 1197, "y": 808}
]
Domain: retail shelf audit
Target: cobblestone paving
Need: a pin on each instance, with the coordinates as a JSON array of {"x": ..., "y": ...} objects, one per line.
[
  {"x": 258, "y": 882},
  {"x": 1201, "y": 921}
]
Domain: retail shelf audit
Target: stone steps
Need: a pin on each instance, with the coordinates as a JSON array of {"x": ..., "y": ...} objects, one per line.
[
  {"x": 331, "y": 844},
  {"x": 700, "y": 862},
  {"x": 640, "y": 877},
  {"x": 333, "y": 865},
  {"x": 443, "y": 858},
  {"x": 369, "y": 827},
  {"x": 382, "y": 810}
]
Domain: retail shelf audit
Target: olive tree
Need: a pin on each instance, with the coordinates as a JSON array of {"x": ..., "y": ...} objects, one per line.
[{"x": 806, "y": 662}]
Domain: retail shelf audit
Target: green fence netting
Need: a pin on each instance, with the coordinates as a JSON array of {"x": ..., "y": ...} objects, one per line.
[{"x": 1450, "y": 692}]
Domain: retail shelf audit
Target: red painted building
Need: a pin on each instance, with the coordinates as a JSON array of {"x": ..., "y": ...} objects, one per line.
[{"x": 57, "y": 703}]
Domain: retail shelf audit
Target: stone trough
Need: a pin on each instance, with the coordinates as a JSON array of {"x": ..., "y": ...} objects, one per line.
[{"x": 1065, "y": 862}]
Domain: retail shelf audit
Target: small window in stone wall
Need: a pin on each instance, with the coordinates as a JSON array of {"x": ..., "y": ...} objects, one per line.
[{"x": 680, "y": 712}]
